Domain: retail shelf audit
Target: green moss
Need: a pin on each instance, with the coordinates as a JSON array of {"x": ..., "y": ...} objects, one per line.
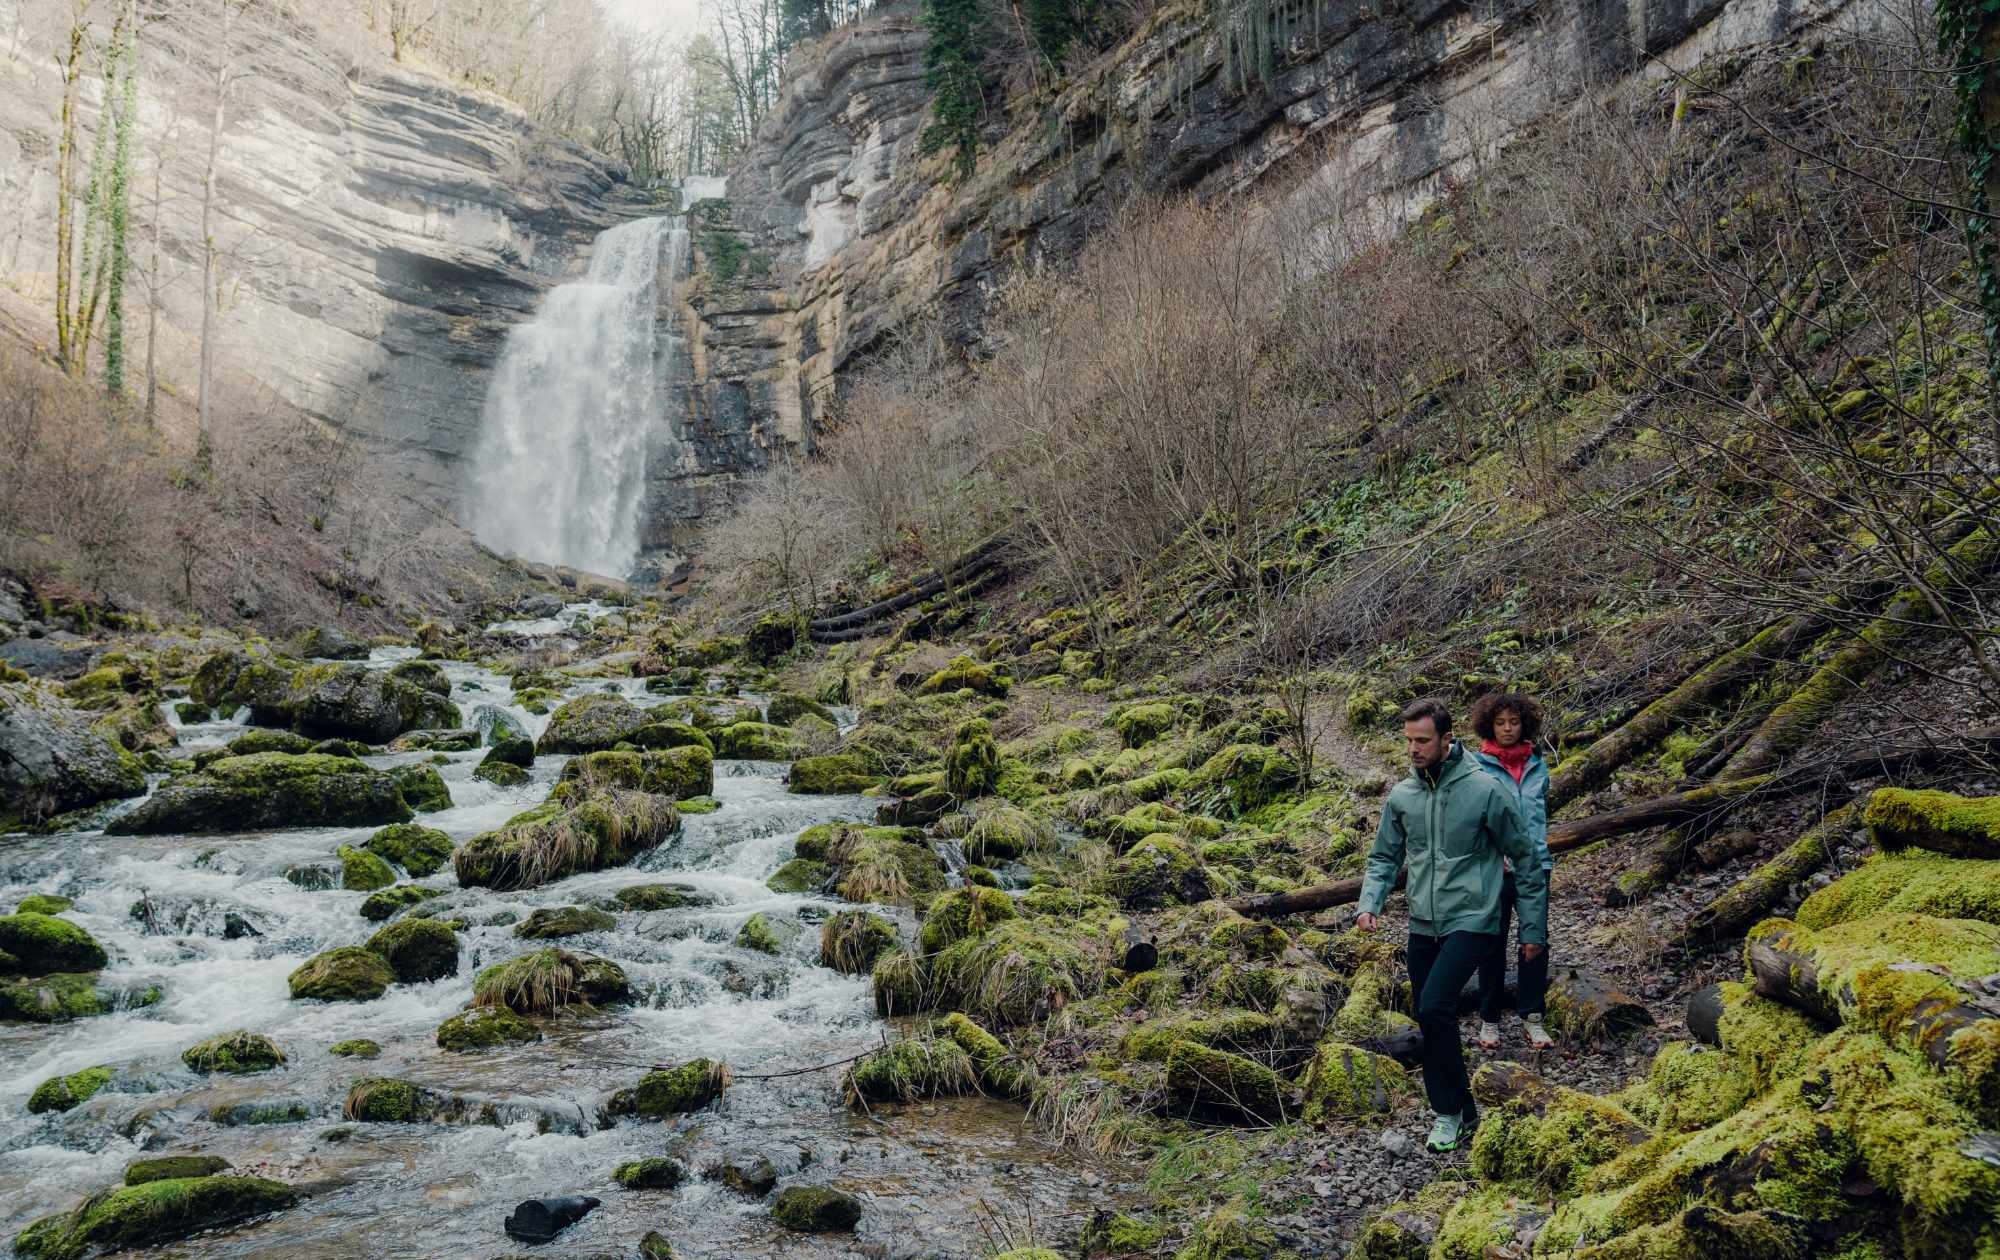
[
  {"x": 484, "y": 1028},
  {"x": 677, "y": 1091},
  {"x": 961, "y": 913},
  {"x": 699, "y": 805},
  {"x": 550, "y": 980},
  {"x": 500, "y": 773},
  {"x": 800, "y": 875},
  {"x": 587, "y": 724},
  {"x": 555, "y": 922},
  {"x": 423, "y": 789},
  {"x": 42, "y": 944},
  {"x": 912, "y": 1069},
  {"x": 1769, "y": 1038},
  {"x": 355, "y": 1048},
  {"x": 1548, "y": 1140},
  {"x": 1158, "y": 870},
  {"x": 1912, "y": 882},
  {"x": 756, "y": 741},
  {"x": 586, "y": 829},
  {"x": 1141, "y": 724},
  {"x": 646, "y": 897},
  {"x": 419, "y": 850},
  {"x": 155, "y": 1212},
  {"x": 763, "y": 934},
  {"x": 1244, "y": 777},
  {"x": 994, "y": 831},
  {"x": 385, "y": 903},
  {"x": 60, "y": 1093},
  {"x": 842, "y": 773},
  {"x": 816, "y": 1210},
  {"x": 384, "y": 1100},
  {"x": 236, "y": 1053},
  {"x": 63, "y": 996},
  {"x": 1077, "y": 774},
  {"x": 1367, "y": 1015},
  {"x": 1024, "y": 970},
  {"x": 1692, "y": 1086},
  {"x": 852, "y": 940},
  {"x": 972, "y": 763},
  {"x": 1476, "y": 1225},
  {"x": 669, "y": 772},
  {"x": 1230, "y": 1232},
  {"x": 999, "y": 1072},
  {"x": 965, "y": 673},
  {"x": 347, "y": 974},
  {"x": 362, "y": 871},
  {"x": 173, "y": 1168},
  {"x": 418, "y": 950},
  {"x": 900, "y": 985},
  {"x": 269, "y": 790},
  {"x": 1957, "y": 825},
  {"x": 1346, "y": 1082},
  {"x": 1218, "y": 1086},
  {"x": 656, "y": 1173},
  {"x": 43, "y": 903}
]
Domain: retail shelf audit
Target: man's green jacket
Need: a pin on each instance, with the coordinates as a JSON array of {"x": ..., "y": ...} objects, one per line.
[{"x": 1451, "y": 826}]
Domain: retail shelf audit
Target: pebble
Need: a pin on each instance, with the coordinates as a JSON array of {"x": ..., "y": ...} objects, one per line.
[{"x": 1396, "y": 1144}]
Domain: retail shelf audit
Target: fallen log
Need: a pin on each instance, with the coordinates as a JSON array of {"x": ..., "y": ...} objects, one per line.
[
  {"x": 1912, "y": 980},
  {"x": 1543, "y": 1133},
  {"x": 979, "y": 558},
  {"x": 1956, "y": 826},
  {"x": 1140, "y": 953},
  {"x": 1751, "y": 898}
]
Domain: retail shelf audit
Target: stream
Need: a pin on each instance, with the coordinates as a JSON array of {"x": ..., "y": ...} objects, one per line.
[{"x": 227, "y": 927}]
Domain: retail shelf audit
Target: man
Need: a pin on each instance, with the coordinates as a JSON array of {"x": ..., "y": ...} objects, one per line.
[{"x": 1452, "y": 824}]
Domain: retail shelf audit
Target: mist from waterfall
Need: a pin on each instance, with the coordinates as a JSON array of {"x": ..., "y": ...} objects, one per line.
[{"x": 560, "y": 466}]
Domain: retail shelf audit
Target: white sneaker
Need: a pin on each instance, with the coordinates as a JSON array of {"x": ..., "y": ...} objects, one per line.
[
  {"x": 1538, "y": 1036},
  {"x": 1489, "y": 1036}
]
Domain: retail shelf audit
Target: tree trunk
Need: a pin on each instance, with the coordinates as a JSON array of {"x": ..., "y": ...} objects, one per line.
[
  {"x": 1956, "y": 826},
  {"x": 72, "y": 74},
  {"x": 1738, "y": 910},
  {"x": 204, "y": 451},
  {"x": 1585, "y": 1008}
]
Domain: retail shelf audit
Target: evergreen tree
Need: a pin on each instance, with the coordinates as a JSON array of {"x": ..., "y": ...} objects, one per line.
[
  {"x": 951, "y": 72},
  {"x": 1056, "y": 25}
]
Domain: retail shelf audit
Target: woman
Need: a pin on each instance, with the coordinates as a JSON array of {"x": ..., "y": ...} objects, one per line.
[{"x": 1507, "y": 724}]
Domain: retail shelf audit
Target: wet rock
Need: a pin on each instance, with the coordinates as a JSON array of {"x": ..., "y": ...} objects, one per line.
[
  {"x": 41, "y": 944},
  {"x": 499, "y": 773},
  {"x": 347, "y": 974},
  {"x": 51, "y": 657},
  {"x": 570, "y": 833},
  {"x": 540, "y": 1220},
  {"x": 60, "y": 1093},
  {"x": 841, "y": 773},
  {"x": 549, "y": 980},
  {"x": 426, "y": 674},
  {"x": 362, "y": 871},
  {"x": 268, "y": 790},
  {"x": 252, "y": 742},
  {"x": 756, "y": 741},
  {"x": 339, "y": 748},
  {"x": 154, "y": 1212},
  {"x": 386, "y": 903},
  {"x": 417, "y": 950},
  {"x": 356, "y": 1048},
  {"x": 661, "y": 897},
  {"x": 417, "y": 849},
  {"x": 326, "y": 643},
  {"x": 744, "y": 1172},
  {"x": 63, "y": 996},
  {"x": 800, "y": 875},
  {"x": 537, "y": 607},
  {"x": 765, "y": 935},
  {"x": 650, "y": 1174},
  {"x": 816, "y": 1210},
  {"x": 654, "y": 1246},
  {"x": 484, "y": 1028},
  {"x": 260, "y": 1111},
  {"x": 423, "y": 788},
  {"x": 354, "y": 702},
  {"x": 52, "y": 762},
  {"x": 592, "y": 724},
  {"x": 237, "y": 1053},
  {"x": 312, "y": 878},
  {"x": 672, "y": 1091},
  {"x": 553, "y": 923},
  {"x": 43, "y": 903},
  {"x": 669, "y": 772},
  {"x": 173, "y": 1168}
]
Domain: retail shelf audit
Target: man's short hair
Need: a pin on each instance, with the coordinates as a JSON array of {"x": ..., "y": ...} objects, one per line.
[{"x": 1430, "y": 707}]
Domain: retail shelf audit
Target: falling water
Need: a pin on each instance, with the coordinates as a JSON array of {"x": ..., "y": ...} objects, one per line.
[{"x": 561, "y": 463}]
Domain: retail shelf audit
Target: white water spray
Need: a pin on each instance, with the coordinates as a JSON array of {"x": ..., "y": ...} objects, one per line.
[{"x": 561, "y": 463}]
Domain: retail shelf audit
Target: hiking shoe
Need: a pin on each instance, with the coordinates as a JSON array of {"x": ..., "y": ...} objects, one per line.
[
  {"x": 1538, "y": 1036},
  {"x": 1445, "y": 1134},
  {"x": 1489, "y": 1036}
]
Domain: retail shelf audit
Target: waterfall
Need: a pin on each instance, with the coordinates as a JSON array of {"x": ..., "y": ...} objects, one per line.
[{"x": 560, "y": 466}]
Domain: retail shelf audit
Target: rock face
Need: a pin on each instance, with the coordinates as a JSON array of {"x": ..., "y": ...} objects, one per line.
[
  {"x": 836, "y": 232},
  {"x": 51, "y": 761}
]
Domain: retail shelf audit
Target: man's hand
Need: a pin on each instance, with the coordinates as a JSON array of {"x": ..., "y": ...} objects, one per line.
[
  {"x": 1365, "y": 921},
  {"x": 1532, "y": 952}
]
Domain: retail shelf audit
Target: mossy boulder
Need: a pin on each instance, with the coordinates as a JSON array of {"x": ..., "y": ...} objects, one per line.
[
  {"x": 654, "y": 1173},
  {"x": 153, "y": 1212},
  {"x": 64, "y": 995},
  {"x": 43, "y": 903},
  {"x": 347, "y": 974},
  {"x": 961, "y": 913},
  {"x": 1239, "y": 1031},
  {"x": 417, "y": 950},
  {"x": 672, "y": 735},
  {"x": 362, "y": 871},
  {"x": 972, "y": 764},
  {"x": 60, "y": 1093},
  {"x": 1022, "y": 970},
  {"x": 326, "y": 643},
  {"x": 764, "y": 934},
  {"x": 965, "y": 673},
  {"x": 554, "y": 922},
  {"x": 173, "y": 1167},
  {"x": 1156, "y": 871},
  {"x": 426, "y": 674},
  {"x": 354, "y": 702},
  {"x": 424, "y": 789},
  {"x": 499, "y": 773},
  {"x": 646, "y": 897},
  {"x": 745, "y": 1172},
  {"x": 887, "y": 866},
  {"x": 386, "y": 1100},
  {"x": 668, "y": 772},
  {"x": 851, "y": 941},
  {"x": 1245, "y": 777},
  {"x": 993, "y": 832},
  {"x": 355, "y": 1048},
  {"x": 571, "y": 833},
  {"x": 1141, "y": 724},
  {"x": 1960, "y": 826},
  {"x": 485, "y": 1028},
  {"x": 674, "y": 1091},
  {"x": 912, "y": 1069},
  {"x": 756, "y": 741},
  {"x": 42, "y": 944},
  {"x": 816, "y": 1210},
  {"x": 1000, "y": 1073},
  {"x": 838, "y": 774},
  {"x": 252, "y": 742},
  {"x": 788, "y": 707},
  {"x": 550, "y": 980},
  {"x": 269, "y": 790},
  {"x": 237, "y": 1053},
  {"x": 386, "y": 903},
  {"x": 1215, "y": 1085},
  {"x": 1344, "y": 1082},
  {"x": 592, "y": 723},
  {"x": 800, "y": 875},
  {"x": 52, "y": 761},
  {"x": 1910, "y": 882}
]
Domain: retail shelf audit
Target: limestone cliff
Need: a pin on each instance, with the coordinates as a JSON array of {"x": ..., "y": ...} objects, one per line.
[{"x": 835, "y": 231}]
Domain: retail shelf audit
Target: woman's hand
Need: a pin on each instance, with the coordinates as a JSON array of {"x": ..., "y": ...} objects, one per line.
[{"x": 1532, "y": 952}]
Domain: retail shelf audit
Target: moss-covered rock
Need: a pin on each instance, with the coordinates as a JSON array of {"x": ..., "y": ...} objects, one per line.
[
  {"x": 1912, "y": 882},
  {"x": 43, "y": 903},
  {"x": 1141, "y": 724},
  {"x": 965, "y": 673},
  {"x": 550, "y": 980},
  {"x": 355, "y": 1048},
  {"x": 885, "y": 865},
  {"x": 484, "y": 1028},
  {"x": 1077, "y": 774},
  {"x": 764, "y": 934},
  {"x": 1154, "y": 872},
  {"x": 555, "y": 922},
  {"x": 839, "y": 774},
  {"x": 590, "y": 830},
  {"x": 756, "y": 741},
  {"x": 679, "y": 1090},
  {"x": 912, "y": 1069},
  {"x": 900, "y": 984},
  {"x": 423, "y": 788},
  {"x": 745, "y": 1172},
  {"x": 388, "y": 902},
  {"x": 418, "y": 950},
  {"x": 1346, "y": 1082},
  {"x": 173, "y": 1167},
  {"x": 65, "y": 995},
  {"x": 993, "y": 831},
  {"x": 1961, "y": 826},
  {"x": 592, "y": 723},
  {"x": 268, "y": 790},
  {"x": 1240, "y": 1031},
  {"x": 350, "y": 702},
  {"x": 499, "y": 773},
  {"x": 252, "y": 742},
  {"x": 851, "y": 941},
  {"x": 672, "y": 735},
  {"x": 800, "y": 875},
  {"x": 788, "y": 707},
  {"x": 237, "y": 1053},
  {"x": 655, "y": 1246},
  {"x": 668, "y": 772},
  {"x": 42, "y": 944},
  {"x": 1245, "y": 777},
  {"x": 1216, "y": 1085},
  {"x": 972, "y": 763},
  {"x": 654, "y": 1173},
  {"x": 961, "y": 913},
  {"x": 362, "y": 871},
  {"x": 154, "y": 1212},
  {"x": 1000, "y": 1073},
  {"x": 816, "y": 1210},
  {"x": 347, "y": 974},
  {"x": 52, "y": 761},
  {"x": 386, "y": 1100},
  {"x": 60, "y": 1093},
  {"x": 645, "y": 897},
  {"x": 1023, "y": 970}
]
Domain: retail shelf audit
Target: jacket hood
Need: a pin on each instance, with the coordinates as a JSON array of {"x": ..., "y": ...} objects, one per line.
[{"x": 1456, "y": 765}]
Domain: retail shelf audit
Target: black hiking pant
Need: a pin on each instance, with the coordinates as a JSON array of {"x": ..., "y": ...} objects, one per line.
[
  {"x": 1440, "y": 966},
  {"x": 1531, "y": 985}
]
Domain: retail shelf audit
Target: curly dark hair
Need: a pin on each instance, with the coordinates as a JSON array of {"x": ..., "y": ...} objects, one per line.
[{"x": 1493, "y": 704}]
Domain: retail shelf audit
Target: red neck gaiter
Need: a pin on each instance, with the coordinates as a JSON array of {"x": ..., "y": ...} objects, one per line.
[{"x": 1514, "y": 757}]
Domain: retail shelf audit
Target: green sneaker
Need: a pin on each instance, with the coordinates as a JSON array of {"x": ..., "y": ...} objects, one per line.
[{"x": 1445, "y": 1134}]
